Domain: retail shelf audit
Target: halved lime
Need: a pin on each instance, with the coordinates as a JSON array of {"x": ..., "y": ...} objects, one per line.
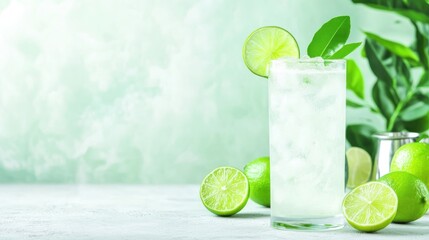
[
  {"x": 265, "y": 44},
  {"x": 370, "y": 207},
  {"x": 225, "y": 191},
  {"x": 359, "y": 166}
]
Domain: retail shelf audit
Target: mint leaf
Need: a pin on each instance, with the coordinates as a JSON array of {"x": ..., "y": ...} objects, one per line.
[
  {"x": 394, "y": 47},
  {"x": 355, "y": 81},
  {"x": 416, "y": 10},
  {"x": 345, "y": 50},
  {"x": 330, "y": 37}
]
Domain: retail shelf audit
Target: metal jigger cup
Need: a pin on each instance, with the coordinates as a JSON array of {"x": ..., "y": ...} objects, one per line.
[{"x": 388, "y": 143}]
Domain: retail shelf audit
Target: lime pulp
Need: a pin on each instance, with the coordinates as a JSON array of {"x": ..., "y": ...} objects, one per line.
[
  {"x": 225, "y": 191},
  {"x": 266, "y": 44},
  {"x": 359, "y": 167},
  {"x": 370, "y": 207}
]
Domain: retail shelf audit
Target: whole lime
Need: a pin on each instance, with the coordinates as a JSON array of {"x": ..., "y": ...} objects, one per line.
[
  {"x": 412, "y": 158},
  {"x": 258, "y": 174},
  {"x": 418, "y": 125},
  {"x": 413, "y": 195}
]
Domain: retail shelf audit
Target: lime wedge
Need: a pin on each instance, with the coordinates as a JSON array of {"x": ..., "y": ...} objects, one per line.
[
  {"x": 359, "y": 166},
  {"x": 370, "y": 207},
  {"x": 225, "y": 191},
  {"x": 266, "y": 44}
]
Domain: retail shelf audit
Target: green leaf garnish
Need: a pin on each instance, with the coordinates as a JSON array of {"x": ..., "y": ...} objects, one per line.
[
  {"x": 330, "y": 37},
  {"x": 345, "y": 50}
]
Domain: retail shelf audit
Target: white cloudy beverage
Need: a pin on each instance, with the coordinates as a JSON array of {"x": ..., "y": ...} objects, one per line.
[{"x": 307, "y": 104}]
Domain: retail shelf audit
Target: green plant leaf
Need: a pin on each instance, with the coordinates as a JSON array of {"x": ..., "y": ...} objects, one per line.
[
  {"x": 402, "y": 77},
  {"x": 407, "y": 109},
  {"x": 353, "y": 104},
  {"x": 416, "y": 10},
  {"x": 355, "y": 80},
  {"x": 330, "y": 37},
  {"x": 414, "y": 111},
  {"x": 383, "y": 98},
  {"x": 363, "y": 53},
  {"x": 386, "y": 66},
  {"x": 377, "y": 60},
  {"x": 345, "y": 50},
  {"x": 360, "y": 135},
  {"x": 422, "y": 43},
  {"x": 424, "y": 80},
  {"x": 394, "y": 47},
  {"x": 422, "y": 97}
]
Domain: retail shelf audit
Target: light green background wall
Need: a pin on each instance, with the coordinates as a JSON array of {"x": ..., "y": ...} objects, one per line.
[{"x": 143, "y": 91}]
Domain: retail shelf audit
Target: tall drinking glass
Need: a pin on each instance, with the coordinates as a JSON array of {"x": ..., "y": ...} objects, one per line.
[{"x": 307, "y": 104}]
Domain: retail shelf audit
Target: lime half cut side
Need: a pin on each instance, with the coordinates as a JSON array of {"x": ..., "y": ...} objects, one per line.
[
  {"x": 359, "y": 167},
  {"x": 266, "y": 44},
  {"x": 370, "y": 207},
  {"x": 225, "y": 191}
]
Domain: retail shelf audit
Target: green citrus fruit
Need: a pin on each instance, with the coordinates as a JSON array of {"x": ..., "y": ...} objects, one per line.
[
  {"x": 413, "y": 195},
  {"x": 225, "y": 191},
  {"x": 412, "y": 158},
  {"x": 370, "y": 207},
  {"x": 258, "y": 173},
  {"x": 266, "y": 44},
  {"x": 359, "y": 166}
]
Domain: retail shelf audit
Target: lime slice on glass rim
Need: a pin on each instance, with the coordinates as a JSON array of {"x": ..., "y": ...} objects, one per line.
[
  {"x": 225, "y": 191},
  {"x": 266, "y": 44},
  {"x": 359, "y": 167},
  {"x": 370, "y": 207}
]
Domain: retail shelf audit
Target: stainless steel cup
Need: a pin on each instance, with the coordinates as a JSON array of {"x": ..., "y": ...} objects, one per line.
[{"x": 388, "y": 143}]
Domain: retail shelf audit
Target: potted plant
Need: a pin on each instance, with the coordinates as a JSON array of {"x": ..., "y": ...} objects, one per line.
[{"x": 400, "y": 94}]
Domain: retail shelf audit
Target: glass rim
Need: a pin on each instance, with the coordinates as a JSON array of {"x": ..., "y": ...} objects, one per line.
[
  {"x": 395, "y": 135},
  {"x": 307, "y": 60}
]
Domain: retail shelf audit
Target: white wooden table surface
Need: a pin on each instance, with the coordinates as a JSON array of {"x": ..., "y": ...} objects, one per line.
[{"x": 148, "y": 212}]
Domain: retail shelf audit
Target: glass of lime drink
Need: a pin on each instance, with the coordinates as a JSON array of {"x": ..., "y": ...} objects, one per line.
[{"x": 307, "y": 104}]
